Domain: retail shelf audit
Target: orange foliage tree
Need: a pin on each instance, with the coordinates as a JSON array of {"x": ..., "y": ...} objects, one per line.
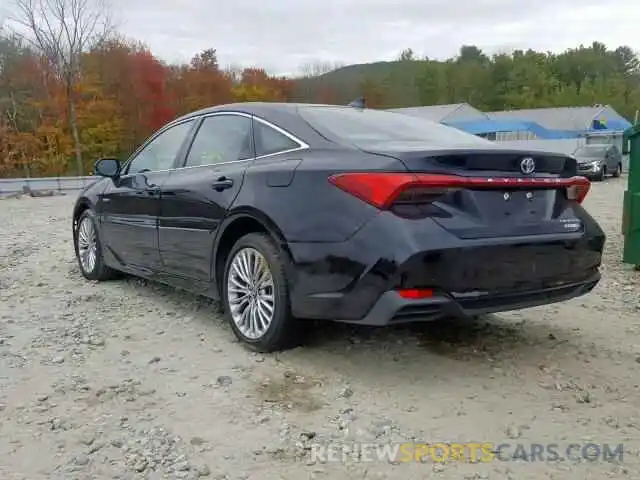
[
  {"x": 129, "y": 76},
  {"x": 122, "y": 95},
  {"x": 199, "y": 84},
  {"x": 256, "y": 86},
  {"x": 34, "y": 135}
]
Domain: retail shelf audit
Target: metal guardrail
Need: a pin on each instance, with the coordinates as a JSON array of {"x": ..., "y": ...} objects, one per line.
[{"x": 13, "y": 186}]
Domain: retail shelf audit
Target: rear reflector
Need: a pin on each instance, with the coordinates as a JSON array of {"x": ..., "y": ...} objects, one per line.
[
  {"x": 383, "y": 189},
  {"x": 415, "y": 293}
]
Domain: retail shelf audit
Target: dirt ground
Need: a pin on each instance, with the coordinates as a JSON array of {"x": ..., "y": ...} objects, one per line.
[{"x": 128, "y": 379}]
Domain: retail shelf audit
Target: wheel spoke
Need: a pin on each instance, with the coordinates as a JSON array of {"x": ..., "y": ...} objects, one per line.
[
  {"x": 244, "y": 266},
  {"x": 240, "y": 299},
  {"x": 239, "y": 278},
  {"x": 87, "y": 245},
  {"x": 267, "y": 294},
  {"x": 264, "y": 278},
  {"x": 237, "y": 290},
  {"x": 245, "y": 317},
  {"x": 268, "y": 307},
  {"x": 263, "y": 315},
  {"x": 252, "y": 315},
  {"x": 258, "y": 268},
  {"x": 82, "y": 237}
]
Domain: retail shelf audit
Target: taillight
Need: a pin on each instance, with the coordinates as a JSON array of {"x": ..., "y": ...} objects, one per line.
[
  {"x": 579, "y": 189},
  {"x": 385, "y": 189},
  {"x": 421, "y": 194}
]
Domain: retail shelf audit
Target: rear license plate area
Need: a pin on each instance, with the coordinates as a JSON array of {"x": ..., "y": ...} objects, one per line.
[
  {"x": 525, "y": 204},
  {"x": 510, "y": 267}
]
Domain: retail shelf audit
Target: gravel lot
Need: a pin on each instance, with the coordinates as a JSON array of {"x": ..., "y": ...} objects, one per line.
[{"x": 128, "y": 379}]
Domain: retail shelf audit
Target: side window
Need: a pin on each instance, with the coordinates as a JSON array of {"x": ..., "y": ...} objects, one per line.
[
  {"x": 270, "y": 141},
  {"x": 221, "y": 138},
  {"x": 161, "y": 152}
]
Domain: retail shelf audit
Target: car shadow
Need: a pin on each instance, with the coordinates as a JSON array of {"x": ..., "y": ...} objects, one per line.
[
  {"x": 514, "y": 340},
  {"x": 451, "y": 346}
]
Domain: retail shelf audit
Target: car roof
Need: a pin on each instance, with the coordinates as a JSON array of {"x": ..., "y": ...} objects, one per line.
[
  {"x": 266, "y": 110},
  {"x": 256, "y": 108},
  {"x": 280, "y": 114}
]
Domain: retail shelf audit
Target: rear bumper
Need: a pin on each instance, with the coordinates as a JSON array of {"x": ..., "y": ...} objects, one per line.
[
  {"x": 391, "y": 309},
  {"x": 355, "y": 281}
]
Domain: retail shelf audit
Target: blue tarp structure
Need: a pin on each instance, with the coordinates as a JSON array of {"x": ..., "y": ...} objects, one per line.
[{"x": 478, "y": 127}]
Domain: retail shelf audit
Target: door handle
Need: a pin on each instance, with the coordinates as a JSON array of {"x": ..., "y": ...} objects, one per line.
[{"x": 222, "y": 183}]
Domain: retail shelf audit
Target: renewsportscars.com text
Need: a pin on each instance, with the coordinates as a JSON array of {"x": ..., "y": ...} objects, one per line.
[{"x": 466, "y": 452}]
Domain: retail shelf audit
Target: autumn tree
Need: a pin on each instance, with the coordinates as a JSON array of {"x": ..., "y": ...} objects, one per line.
[
  {"x": 326, "y": 95},
  {"x": 374, "y": 93},
  {"x": 61, "y": 31},
  {"x": 201, "y": 83},
  {"x": 33, "y": 141},
  {"x": 256, "y": 85}
]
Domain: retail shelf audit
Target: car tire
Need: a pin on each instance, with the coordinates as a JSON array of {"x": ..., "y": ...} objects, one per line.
[
  {"x": 618, "y": 171},
  {"x": 89, "y": 249},
  {"x": 601, "y": 175},
  {"x": 240, "y": 285}
]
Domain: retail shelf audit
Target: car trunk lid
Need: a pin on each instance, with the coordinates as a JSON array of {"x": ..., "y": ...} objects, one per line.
[{"x": 495, "y": 192}]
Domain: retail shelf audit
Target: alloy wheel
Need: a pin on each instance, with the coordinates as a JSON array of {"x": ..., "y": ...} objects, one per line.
[
  {"x": 250, "y": 293},
  {"x": 87, "y": 245}
]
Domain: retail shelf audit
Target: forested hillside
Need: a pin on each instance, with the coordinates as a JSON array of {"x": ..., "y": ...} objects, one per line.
[{"x": 580, "y": 76}]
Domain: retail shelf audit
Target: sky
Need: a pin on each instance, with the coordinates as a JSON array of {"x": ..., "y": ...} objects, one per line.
[{"x": 283, "y": 35}]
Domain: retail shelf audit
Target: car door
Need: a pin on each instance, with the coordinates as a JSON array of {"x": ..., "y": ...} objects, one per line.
[
  {"x": 130, "y": 205},
  {"x": 196, "y": 197},
  {"x": 615, "y": 159},
  {"x": 609, "y": 160}
]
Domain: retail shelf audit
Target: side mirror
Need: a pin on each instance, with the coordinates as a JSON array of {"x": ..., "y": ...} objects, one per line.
[{"x": 107, "y": 167}]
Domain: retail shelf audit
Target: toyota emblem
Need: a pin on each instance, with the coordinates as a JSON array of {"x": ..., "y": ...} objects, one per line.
[{"x": 528, "y": 165}]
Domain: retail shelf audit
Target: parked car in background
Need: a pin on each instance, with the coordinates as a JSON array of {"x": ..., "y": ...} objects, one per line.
[
  {"x": 287, "y": 212},
  {"x": 598, "y": 161}
]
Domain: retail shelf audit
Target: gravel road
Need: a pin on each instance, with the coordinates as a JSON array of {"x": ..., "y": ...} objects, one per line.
[{"x": 128, "y": 379}]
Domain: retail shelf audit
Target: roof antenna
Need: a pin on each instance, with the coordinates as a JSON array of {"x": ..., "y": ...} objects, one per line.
[{"x": 358, "y": 103}]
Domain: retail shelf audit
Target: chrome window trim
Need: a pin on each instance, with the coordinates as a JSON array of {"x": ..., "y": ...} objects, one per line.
[
  {"x": 212, "y": 164},
  {"x": 302, "y": 145}
]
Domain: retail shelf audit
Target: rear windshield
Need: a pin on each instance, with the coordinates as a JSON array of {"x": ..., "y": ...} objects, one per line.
[{"x": 367, "y": 128}]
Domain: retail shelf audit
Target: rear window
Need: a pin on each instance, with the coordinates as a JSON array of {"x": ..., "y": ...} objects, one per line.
[{"x": 366, "y": 128}]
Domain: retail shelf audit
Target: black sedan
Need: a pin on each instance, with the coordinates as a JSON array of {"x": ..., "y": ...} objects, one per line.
[{"x": 287, "y": 212}]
